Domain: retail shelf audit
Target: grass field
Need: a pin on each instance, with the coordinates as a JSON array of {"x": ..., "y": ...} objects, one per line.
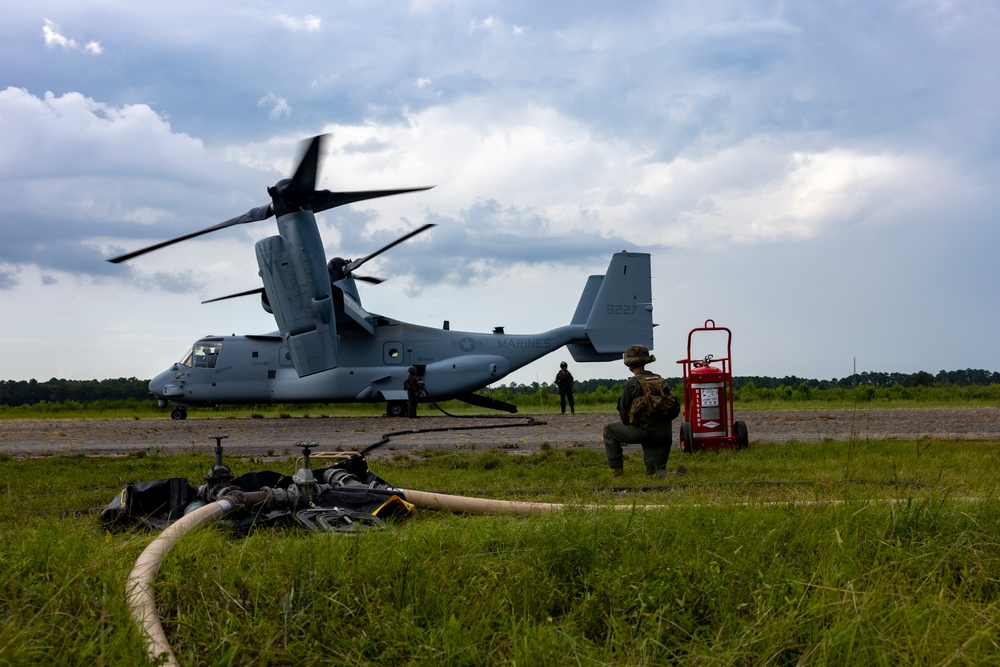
[{"x": 833, "y": 553}]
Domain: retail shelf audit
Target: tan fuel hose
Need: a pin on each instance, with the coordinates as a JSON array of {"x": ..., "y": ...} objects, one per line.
[
  {"x": 466, "y": 505},
  {"x": 139, "y": 589},
  {"x": 463, "y": 504},
  {"x": 140, "y": 598}
]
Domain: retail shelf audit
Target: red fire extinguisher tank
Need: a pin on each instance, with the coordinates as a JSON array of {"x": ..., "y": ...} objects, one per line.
[{"x": 708, "y": 400}]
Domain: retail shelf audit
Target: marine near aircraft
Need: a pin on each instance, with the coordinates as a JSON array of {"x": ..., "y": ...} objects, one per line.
[{"x": 329, "y": 349}]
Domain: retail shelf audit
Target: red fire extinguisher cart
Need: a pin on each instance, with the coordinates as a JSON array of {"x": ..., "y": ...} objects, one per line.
[{"x": 708, "y": 400}]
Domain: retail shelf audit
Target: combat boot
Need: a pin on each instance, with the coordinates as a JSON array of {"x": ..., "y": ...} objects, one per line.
[{"x": 617, "y": 472}]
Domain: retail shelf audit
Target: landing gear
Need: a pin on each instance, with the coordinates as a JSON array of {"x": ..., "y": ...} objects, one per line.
[
  {"x": 395, "y": 408},
  {"x": 179, "y": 413}
]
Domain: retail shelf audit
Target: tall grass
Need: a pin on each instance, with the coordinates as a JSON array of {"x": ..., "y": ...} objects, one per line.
[{"x": 837, "y": 553}]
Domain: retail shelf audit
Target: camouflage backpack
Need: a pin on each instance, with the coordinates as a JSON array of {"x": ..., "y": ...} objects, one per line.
[{"x": 656, "y": 401}]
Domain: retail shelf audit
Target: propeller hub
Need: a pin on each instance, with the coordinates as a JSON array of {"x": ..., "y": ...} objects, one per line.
[
  {"x": 337, "y": 268},
  {"x": 287, "y": 197}
]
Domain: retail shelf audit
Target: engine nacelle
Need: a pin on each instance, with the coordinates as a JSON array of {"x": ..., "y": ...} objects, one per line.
[{"x": 293, "y": 269}]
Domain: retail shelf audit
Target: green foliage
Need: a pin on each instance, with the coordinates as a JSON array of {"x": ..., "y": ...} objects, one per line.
[
  {"x": 14, "y": 393},
  {"x": 804, "y": 396},
  {"x": 840, "y": 553},
  {"x": 124, "y": 398}
]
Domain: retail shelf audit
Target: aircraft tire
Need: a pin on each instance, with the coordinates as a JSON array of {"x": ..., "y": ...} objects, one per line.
[
  {"x": 178, "y": 414},
  {"x": 395, "y": 408}
]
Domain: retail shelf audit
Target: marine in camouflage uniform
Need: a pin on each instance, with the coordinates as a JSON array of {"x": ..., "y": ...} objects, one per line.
[
  {"x": 412, "y": 386},
  {"x": 655, "y": 434},
  {"x": 564, "y": 381}
]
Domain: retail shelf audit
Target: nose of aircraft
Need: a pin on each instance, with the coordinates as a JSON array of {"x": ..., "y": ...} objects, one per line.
[{"x": 167, "y": 385}]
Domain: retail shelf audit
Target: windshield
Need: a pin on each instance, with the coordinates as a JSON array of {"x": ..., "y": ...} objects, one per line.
[{"x": 204, "y": 354}]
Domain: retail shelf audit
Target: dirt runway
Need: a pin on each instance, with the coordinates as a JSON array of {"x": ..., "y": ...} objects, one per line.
[{"x": 517, "y": 433}]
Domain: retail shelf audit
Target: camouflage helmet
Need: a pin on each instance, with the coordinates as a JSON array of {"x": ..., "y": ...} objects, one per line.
[
  {"x": 638, "y": 355},
  {"x": 412, "y": 370},
  {"x": 563, "y": 365}
]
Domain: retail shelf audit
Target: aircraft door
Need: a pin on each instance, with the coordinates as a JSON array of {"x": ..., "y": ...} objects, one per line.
[{"x": 392, "y": 353}]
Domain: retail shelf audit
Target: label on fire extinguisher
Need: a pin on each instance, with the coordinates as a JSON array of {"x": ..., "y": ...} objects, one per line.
[{"x": 710, "y": 397}]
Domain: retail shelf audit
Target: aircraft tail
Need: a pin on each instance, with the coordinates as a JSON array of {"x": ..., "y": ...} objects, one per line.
[{"x": 616, "y": 309}]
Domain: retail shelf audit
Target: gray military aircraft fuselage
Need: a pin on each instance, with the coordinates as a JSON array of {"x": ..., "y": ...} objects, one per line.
[{"x": 614, "y": 311}]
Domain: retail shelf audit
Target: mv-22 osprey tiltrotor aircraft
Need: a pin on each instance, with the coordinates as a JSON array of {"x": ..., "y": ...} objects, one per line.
[{"x": 328, "y": 349}]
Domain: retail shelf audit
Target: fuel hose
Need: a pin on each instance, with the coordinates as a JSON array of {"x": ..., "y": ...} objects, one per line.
[
  {"x": 466, "y": 505},
  {"x": 140, "y": 596}
]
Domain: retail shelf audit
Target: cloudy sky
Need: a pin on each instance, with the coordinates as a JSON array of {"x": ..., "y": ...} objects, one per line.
[{"x": 819, "y": 176}]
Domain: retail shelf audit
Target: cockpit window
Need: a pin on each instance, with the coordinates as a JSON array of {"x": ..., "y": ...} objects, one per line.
[{"x": 204, "y": 354}]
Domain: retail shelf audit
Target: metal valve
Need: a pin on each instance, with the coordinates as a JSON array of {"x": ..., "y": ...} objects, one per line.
[
  {"x": 303, "y": 477},
  {"x": 220, "y": 474}
]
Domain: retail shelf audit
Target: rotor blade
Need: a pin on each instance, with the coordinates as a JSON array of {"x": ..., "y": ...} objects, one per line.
[
  {"x": 369, "y": 279},
  {"x": 303, "y": 182},
  {"x": 325, "y": 199},
  {"x": 358, "y": 262},
  {"x": 253, "y": 215},
  {"x": 259, "y": 290}
]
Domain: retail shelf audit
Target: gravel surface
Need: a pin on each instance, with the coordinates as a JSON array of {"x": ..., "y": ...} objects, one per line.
[{"x": 277, "y": 437}]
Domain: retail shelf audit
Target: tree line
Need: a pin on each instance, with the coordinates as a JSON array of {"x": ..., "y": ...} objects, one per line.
[
  {"x": 969, "y": 377},
  {"x": 31, "y": 392}
]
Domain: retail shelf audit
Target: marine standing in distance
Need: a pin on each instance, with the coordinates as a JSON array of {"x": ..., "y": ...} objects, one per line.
[{"x": 564, "y": 380}]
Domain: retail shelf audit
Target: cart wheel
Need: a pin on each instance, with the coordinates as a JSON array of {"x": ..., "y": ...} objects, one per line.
[
  {"x": 742, "y": 438},
  {"x": 687, "y": 442},
  {"x": 396, "y": 408}
]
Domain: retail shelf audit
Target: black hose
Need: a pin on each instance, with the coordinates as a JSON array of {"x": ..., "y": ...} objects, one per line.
[{"x": 525, "y": 421}]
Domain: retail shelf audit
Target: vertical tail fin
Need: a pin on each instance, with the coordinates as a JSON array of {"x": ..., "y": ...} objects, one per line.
[
  {"x": 587, "y": 299},
  {"x": 620, "y": 309}
]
